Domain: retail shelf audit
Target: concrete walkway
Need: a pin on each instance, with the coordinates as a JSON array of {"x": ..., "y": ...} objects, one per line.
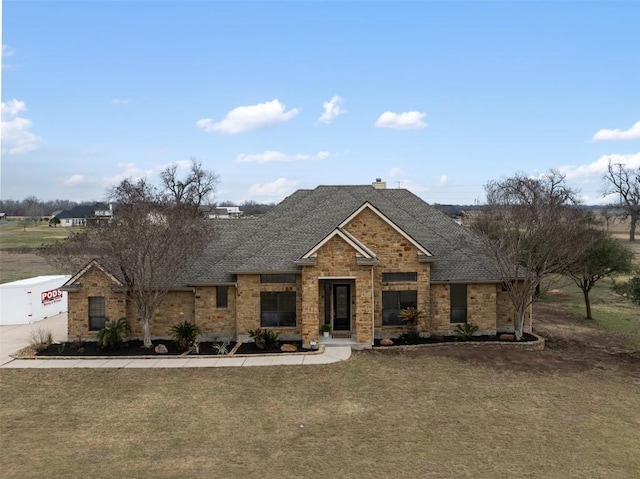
[{"x": 14, "y": 338}]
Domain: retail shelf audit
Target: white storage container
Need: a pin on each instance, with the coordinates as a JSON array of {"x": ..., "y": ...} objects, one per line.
[{"x": 32, "y": 299}]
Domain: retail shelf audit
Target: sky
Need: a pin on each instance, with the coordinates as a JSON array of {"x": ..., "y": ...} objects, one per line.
[{"x": 436, "y": 97}]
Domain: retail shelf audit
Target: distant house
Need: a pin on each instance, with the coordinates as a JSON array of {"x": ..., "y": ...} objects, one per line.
[
  {"x": 350, "y": 257},
  {"x": 225, "y": 212},
  {"x": 85, "y": 214}
]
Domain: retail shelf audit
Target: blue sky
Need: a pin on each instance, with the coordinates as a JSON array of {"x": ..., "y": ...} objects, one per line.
[{"x": 435, "y": 97}]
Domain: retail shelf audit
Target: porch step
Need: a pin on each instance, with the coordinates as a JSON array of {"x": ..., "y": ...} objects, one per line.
[
  {"x": 336, "y": 342},
  {"x": 341, "y": 335}
]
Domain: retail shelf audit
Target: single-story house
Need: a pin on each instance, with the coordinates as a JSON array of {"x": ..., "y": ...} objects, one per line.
[
  {"x": 350, "y": 257},
  {"x": 82, "y": 214}
]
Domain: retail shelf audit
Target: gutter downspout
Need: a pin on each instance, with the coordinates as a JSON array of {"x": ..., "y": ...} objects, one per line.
[{"x": 373, "y": 310}]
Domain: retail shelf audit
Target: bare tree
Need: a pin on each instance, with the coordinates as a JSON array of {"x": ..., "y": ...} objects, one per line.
[
  {"x": 144, "y": 245},
  {"x": 196, "y": 188},
  {"x": 624, "y": 182},
  {"x": 525, "y": 227},
  {"x": 601, "y": 256},
  {"x": 34, "y": 209}
]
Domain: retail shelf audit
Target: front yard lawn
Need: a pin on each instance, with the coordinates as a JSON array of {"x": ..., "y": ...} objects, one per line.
[{"x": 378, "y": 415}]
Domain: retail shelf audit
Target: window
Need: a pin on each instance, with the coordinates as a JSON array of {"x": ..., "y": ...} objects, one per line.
[
  {"x": 393, "y": 302},
  {"x": 411, "y": 277},
  {"x": 458, "y": 296},
  {"x": 97, "y": 314},
  {"x": 222, "y": 296},
  {"x": 277, "y": 309},
  {"x": 278, "y": 278}
]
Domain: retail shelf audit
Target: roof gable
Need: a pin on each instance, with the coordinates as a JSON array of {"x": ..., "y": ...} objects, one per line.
[
  {"x": 88, "y": 267},
  {"x": 368, "y": 206},
  {"x": 360, "y": 249}
]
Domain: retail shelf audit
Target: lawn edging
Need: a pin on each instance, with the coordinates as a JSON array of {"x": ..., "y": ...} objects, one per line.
[
  {"x": 537, "y": 345},
  {"x": 28, "y": 353}
]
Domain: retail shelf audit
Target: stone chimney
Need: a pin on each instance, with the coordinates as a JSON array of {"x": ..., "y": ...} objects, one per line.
[{"x": 379, "y": 184}]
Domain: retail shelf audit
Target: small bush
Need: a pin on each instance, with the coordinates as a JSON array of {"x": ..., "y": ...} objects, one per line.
[
  {"x": 40, "y": 339},
  {"x": 413, "y": 317},
  {"x": 629, "y": 289},
  {"x": 465, "y": 332},
  {"x": 185, "y": 334},
  {"x": 222, "y": 348},
  {"x": 410, "y": 337},
  {"x": 113, "y": 334},
  {"x": 265, "y": 339}
]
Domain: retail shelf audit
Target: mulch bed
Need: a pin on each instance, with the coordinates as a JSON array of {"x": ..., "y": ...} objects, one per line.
[
  {"x": 251, "y": 348},
  {"x": 130, "y": 348},
  {"x": 452, "y": 339},
  {"x": 134, "y": 348}
]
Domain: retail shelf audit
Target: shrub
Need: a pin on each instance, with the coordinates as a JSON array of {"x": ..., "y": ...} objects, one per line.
[
  {"x": 113, "y": 334},
  {"x": 465, "y": 332},
  {"x": 265, "y": 339},
  {"x": 629, "y": 289},
  {"x": 223, "y": 347},
  {"x": 413, "y": 317},
  {"x": 410, "y": 337},
  {"x": 40, "y": 339},
  {"x": 185, "y": 334}
]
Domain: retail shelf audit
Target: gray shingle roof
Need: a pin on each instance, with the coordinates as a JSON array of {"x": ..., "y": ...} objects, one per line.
[{"x": 274, "y": 241}]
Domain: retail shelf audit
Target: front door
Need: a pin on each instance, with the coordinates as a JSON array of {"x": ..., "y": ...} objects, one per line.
[{"x": 341, "y": 307}]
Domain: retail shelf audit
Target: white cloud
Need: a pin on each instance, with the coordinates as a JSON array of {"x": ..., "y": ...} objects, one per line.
[
  {"x": 598, "y": 168},
  {"x": 632, "y": 133},
  {"x": 409, "y": 120},
  {"x": 6, "y": 51},
  {"x": 17, "y": 137},
  {"x": 127, "y": 170},
  {"x": 245, "y": 118},
  {"x": 279, "y": 157},
  {"x": 443, "y": 180},
  {"x": 75, "y": 180},
  {"x": 395, "y": 172},
  {"x": 331, "y": 109},
  {"x": 119, "y": 101},
  {"x": 277, "y": 188}
]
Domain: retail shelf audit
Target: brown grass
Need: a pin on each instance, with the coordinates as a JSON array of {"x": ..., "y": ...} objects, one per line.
[{"x": 377, "y": 415}]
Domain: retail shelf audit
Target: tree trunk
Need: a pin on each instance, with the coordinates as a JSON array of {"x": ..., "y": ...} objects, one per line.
[
  {"x": 587, "y": 302},
  {"x": 146, "y": 332},
  {"x": 519, "y": 323},
  {"x": 632, "y": 230}
]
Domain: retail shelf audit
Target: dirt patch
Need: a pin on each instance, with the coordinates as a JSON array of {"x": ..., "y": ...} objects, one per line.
[{"x": 570, "y": 347}]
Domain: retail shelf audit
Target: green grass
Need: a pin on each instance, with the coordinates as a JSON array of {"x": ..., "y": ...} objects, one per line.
[
  {"x": 374, "y": 416},
  {"x": 610, "y": 311},
  {"x": 14, "y": 235},
  {"x": 17, "y": 249}
]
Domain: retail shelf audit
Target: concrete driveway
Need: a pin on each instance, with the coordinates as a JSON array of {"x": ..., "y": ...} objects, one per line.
[{"x": 15, "y": 337}]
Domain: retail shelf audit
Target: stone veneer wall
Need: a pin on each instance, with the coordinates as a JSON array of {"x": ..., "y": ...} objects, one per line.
[
  {"x": 505, "y": 312},
  {"x": 395, "y": 255},
  {"x": 175, "y": 307},
  {"x": 93, "y": 283},
  {"x": 482, "y": 306},
  {"x": 247, "y": 303},
  {"x": 336, "y": 259},
  {"x": 487, "y": 306},
  {"x": 216, "y": 322}
]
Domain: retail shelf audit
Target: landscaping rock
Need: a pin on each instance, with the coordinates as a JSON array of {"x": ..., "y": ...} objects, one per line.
[
  {"x": 161, "y": 349},
  {"x": 507, "y": 337},
  {"x": 386, "y": 342},
  {"x": 288, "y": 348}
]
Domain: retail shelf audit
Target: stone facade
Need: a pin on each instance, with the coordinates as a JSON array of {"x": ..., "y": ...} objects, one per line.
[{"x": 335, "y": 262}]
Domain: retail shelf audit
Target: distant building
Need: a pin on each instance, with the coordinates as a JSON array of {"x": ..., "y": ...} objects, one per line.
[
  {"x": 224, "y": 212},
  {"x": 85, "y": 214}
]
